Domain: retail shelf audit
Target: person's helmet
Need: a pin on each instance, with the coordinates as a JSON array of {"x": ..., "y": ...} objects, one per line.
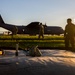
[{"x": 69, "y": 20}]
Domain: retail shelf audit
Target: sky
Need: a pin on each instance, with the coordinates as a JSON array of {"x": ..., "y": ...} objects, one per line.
[{"x": 51, "y": 12}]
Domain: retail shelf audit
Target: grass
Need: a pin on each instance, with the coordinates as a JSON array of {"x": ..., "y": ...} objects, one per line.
[
  {"x": 26, "y": 41},
  {"x": 30, "y": 37}
]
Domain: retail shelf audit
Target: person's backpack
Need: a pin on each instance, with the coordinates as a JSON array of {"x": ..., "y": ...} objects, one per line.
[{"x": 34, "y": 51}]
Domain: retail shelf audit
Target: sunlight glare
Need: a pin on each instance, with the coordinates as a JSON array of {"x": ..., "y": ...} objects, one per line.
[{"x": 74, "y": 20}]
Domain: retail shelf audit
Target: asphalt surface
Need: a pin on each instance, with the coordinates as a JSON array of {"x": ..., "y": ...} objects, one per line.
[{"x": 52, "y": 62}]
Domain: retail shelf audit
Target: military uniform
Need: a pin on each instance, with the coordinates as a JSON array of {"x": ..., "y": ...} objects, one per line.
[
  {"x": 41, "y": 31},
  {"x": 15, "y": 30},
  {"x": 69, "y": 35}
]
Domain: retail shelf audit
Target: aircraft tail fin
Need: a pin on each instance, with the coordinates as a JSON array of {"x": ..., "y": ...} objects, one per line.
[{"x": 1, "y": 20}]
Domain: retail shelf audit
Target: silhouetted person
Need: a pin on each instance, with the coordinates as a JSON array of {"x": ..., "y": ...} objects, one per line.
[
  {"x": 41, "y": 31},
  {"x": 15, "y": 30},
  {"x": 69, "y": 34}
]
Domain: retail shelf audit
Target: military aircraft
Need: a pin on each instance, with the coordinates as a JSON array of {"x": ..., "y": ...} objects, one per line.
[
  {"x": 10, "y": 27},
  {"x": 32, "y": 28}
]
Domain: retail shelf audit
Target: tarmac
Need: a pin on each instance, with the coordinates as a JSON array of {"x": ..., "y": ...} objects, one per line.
[{"x": 52, "y": 62}]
